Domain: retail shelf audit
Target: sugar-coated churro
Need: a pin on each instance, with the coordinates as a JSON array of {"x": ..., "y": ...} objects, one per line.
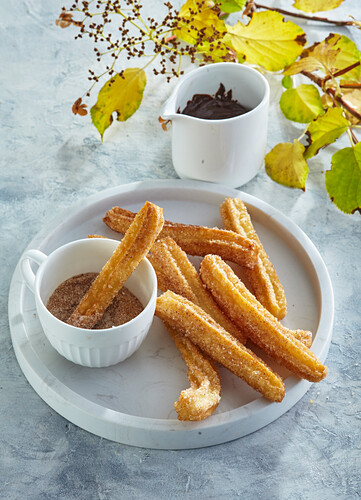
[
  {"x": 210, "y": 337},
  {"x": 263, "y": 277},
  {"x": 202, "y": 397},
  {"x": 131, "y": 250},
  {"x": 303, "y": 336},
  {"x": 262, "y": 328},
  {"x": 175, "y": 272},
  {"x": 195, "y": 240}
]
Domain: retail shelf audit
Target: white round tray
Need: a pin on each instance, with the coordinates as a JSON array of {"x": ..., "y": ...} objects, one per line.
[{"x": 132, "y": 402}]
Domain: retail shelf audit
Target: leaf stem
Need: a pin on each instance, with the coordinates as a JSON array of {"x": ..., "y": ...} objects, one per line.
[
  {"x": 352, "y": 137},
  {"x": 302, "y": 135}
]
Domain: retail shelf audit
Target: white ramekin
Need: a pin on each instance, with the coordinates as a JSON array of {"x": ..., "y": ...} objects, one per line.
[{"x": 93, "y": 348}]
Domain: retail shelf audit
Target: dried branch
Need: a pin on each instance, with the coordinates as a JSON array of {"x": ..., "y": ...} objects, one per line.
[{"x": 304, "y": 16}]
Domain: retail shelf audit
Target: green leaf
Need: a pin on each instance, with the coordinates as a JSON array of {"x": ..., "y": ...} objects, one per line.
[
  {"x": 267, "y": 40},
  {"x": 302, "y": 104},
  {"x": 343, "y": 181},
  {"x": 316, "y": 5},
  {"x": 324, "y": 130},
  {"x": 286, "y": 165},
  {"x": 287, "y": 82},
  {"x": 122, "y": 95},
  {"x": 229, "y": 6}
]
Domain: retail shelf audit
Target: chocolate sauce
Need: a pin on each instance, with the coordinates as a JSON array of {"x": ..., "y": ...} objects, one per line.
[{"x": 217, "y": 107}]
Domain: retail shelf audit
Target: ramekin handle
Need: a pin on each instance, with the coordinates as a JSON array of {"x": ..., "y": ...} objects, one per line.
[{"x": 25, "y": 268}]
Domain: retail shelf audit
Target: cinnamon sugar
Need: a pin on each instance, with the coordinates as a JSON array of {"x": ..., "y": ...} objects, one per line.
[{"x": 68, "y": 294}]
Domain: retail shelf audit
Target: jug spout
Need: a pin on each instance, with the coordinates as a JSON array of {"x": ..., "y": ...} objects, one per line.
[{"x": 168, "y": 110}]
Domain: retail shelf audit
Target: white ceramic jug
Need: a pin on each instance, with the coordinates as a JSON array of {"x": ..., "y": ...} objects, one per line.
[{"x": 228, "y": 151}]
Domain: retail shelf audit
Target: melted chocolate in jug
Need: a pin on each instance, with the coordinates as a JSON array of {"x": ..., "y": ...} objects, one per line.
[{"x": 217, "y": 107}]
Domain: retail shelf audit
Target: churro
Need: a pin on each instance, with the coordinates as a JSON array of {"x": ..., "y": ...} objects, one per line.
[
  {"x": 175, "y": 272},
  {"x": 303, "y": 336},
  {"x": 210, "y": 337},
  {"x": 131, "y": 250},
  {"x": 195, "y": 240},
  {"x": 263, "y": 278},
  {"x": 202, "y": 397},
  {"x": 262, "y": 328}
]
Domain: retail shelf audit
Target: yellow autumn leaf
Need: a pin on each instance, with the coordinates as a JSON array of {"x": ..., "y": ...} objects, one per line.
[
  {"x": 301, "y": 104},
  {"x": 326, "y": 52},
  {"x": 286, "y": 165},
  {"x": 348, "y": 54},
  {"x": 304, "y": 64},
  {"x": 352, "y": 97},
  {"x": 199, "y": 22},
  {"x": 328, "y": 102},
  {"x": 267, "y": 40},
  {"x": 229, "y": 6},
  {"x": 122, "y": 95},
  {"x": 217, "y": 52},
  {"x": 316, "y": 5},
  {"x": 335, "y": 53},
  {"x": 324, "y": 130}
]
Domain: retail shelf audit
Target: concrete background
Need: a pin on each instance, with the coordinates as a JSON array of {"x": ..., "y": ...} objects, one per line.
[{"x": 50, "y": 159}]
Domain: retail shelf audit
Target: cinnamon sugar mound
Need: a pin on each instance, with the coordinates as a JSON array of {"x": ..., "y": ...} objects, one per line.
[{"x": 68, "y": 294}]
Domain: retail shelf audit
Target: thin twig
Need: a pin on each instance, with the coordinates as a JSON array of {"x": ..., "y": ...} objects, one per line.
[
  {"x": 342, "y": 71},
  {"x": 316, "y": 79},
  {"x": 304, "y": 16},
  {"x": 350, "y": 85},
  {"x": 332, "y": 92}
]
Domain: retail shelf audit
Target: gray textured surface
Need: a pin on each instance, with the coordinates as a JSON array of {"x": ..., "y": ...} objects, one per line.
[{"x": 49, "y": 159}]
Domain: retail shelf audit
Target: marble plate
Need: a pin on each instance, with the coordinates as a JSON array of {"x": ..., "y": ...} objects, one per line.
[{"x": 132, "y": 402}]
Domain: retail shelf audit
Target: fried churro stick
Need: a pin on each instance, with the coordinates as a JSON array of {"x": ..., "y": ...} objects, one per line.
[
  {"x": 209, "y": 336},
  {"x": 202, "y": 397},
  {"x": 262, "y": 328},
  {"x": 195, "y": 240},
  {"x": 175, "y": 272},
  {"x": 303, "y": 336},
  {"x": 263, "y": 277},
  {"x": 131, "y": 250}
]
